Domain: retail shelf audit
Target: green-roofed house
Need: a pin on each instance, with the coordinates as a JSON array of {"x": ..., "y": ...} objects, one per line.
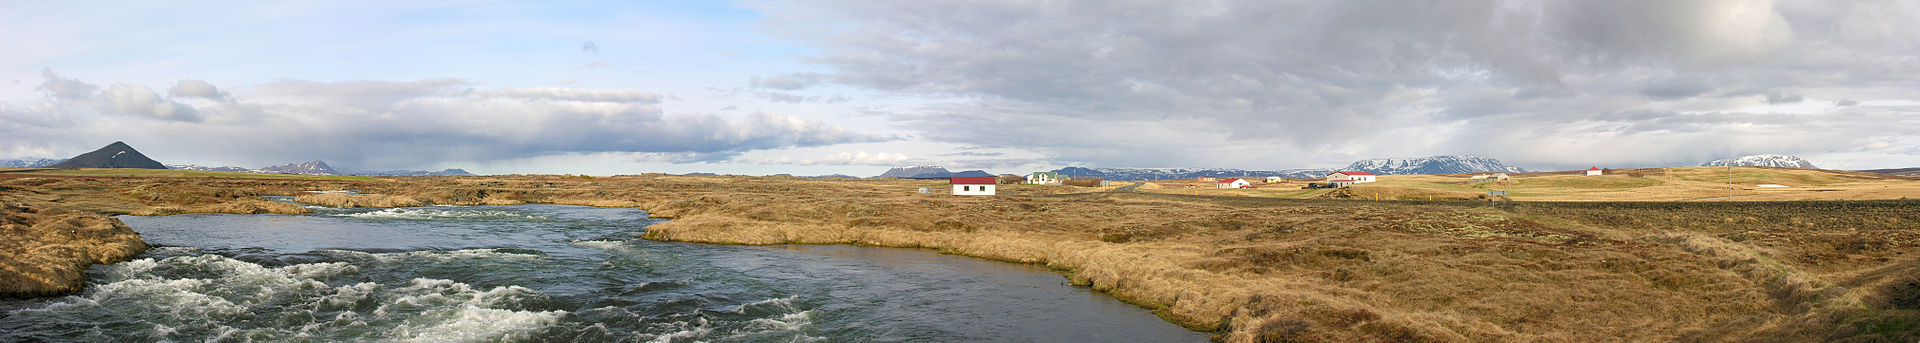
[{"x": 1044, "y": 178}]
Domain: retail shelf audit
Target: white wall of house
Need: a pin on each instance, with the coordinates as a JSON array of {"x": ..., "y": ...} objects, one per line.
[
  {"x": 1235, "y": 184},
  {"x": 972, "y": 189},
  {"x": 1593, "y": 172}
]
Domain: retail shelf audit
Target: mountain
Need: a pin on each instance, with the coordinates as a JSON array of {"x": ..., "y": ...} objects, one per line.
[
  {"x": 1766, "y": 160},
  {"x": 1443, "y": 164},
  {"x": 1446, "y": 164},
  {"x": 116, "y": 155},
  {"x": 316, "y": 167},
  {"x": 205, "y": 168},
  {"x": 928, "y": 172},
  {"x": 28, "y": 162},
  {"x": 1135, "y": 174},
  {"x": 914, "y": 171},
  {"x": 444, "y": 172},
  {"x": 1895, "y": 171}
]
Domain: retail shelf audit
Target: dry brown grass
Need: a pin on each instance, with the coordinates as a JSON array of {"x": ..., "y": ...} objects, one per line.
[
  {"x": 45, "y": 251},
  {"x": 1255, "y": 268}
]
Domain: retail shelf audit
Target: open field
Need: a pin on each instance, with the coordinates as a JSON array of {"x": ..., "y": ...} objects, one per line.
[
  {"x": 1262, "y": 268},
  {"x": 1667, "y": 184}
]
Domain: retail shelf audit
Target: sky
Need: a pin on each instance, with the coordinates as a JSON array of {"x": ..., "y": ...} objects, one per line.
[{"x": 821, "y": 87}]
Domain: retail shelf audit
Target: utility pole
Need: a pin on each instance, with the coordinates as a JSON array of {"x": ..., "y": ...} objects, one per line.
[{"x": 1729, "y": 179}]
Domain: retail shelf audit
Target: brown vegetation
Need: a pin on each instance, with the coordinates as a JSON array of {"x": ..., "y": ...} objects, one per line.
[
  {"x": 1263, "y": 269},
  {"x": 46, "y": 251}
]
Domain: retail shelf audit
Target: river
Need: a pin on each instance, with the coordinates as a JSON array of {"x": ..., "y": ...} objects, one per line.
[{"x": 548, "y": 273}]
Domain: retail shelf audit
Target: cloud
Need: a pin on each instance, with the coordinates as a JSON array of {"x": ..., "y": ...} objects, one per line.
[
  {"x": 390, "y": 125},
  {"x": 1776, "y": 97},
  {"x": 787, "y": 82},
  {"x": 1278, "y": 84},
  {"x": 196, "y": 89},
  {"x": 590, "y": 47},
  {"x": 65, "y": 88},
  {"x": 837, "y": 159},
  {"x": 1846, "y": 102}
]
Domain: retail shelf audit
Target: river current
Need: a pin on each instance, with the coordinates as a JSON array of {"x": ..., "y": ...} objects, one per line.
[{"x": 547, "y": 273}]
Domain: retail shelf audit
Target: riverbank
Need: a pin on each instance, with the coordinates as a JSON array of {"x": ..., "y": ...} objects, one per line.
[{"x": 1261, "y": 269}]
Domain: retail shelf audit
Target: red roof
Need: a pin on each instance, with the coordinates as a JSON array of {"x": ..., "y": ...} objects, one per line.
[
  {"x": 972, "y": 180},
  {"x": 1354, "y": 173},
  {"x": 1594, "y": 168},
  {"x": 1227, "y": 180}
]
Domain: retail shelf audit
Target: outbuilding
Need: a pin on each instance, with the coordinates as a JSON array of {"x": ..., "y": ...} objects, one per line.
[
  {"x": 1275, "y": 179},
  {"x": 1595, "y": 171},
  {"x": 972, "y": 185},
  {"x": 1233, "y": 183}
]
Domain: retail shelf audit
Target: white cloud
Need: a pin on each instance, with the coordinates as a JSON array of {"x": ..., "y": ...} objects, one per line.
[
  {"x": 838, "y": 159},
  {"x": 390, "y": 125},
  {"x": 196, "y": 89}
]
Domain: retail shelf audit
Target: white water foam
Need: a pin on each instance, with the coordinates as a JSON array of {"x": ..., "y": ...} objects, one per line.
[
  {"x": 417, "y": 213},
  {"x": 437, "y": 256},
  {"x": 180, "y": 298}
]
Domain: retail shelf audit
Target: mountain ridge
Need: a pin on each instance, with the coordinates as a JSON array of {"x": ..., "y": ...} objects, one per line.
[
  {"x": 1764, "y": 160},
  {"x": 116, "y": 155}
]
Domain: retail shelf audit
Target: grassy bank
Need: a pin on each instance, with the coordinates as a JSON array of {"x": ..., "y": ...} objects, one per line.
[{"x": 1266, "y": 269}]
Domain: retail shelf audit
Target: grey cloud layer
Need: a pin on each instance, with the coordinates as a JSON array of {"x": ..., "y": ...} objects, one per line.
[
  {"x": 1318, "y": 82},
  {"x": 371, "y": 124}
]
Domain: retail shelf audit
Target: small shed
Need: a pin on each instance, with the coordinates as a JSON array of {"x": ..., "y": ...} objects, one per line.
[
  {"x": 972, "y": 185},
  {"x": 1276, "y": 179},
  {"x": 1595, "y": 171},
  {"x": 1205, "y": 179},
  {"x": 1233, "y": 183}
]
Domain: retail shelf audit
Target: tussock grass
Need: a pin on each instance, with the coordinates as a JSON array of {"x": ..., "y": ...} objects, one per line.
[{"x": 45, "y": 251}]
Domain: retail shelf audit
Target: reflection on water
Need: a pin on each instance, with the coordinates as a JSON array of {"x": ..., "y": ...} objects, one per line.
[{"x": 549, "y": 273}]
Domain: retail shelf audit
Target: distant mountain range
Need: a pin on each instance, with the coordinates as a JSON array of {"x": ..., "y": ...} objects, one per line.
[
  {"x": 29, "y": 163},
  {"x": 1766, "y": 160},
  {"x": 318, "y": 167},
  {"x": 116, "y": 155},
  {"x": 1445, "y": 164},
  {"x": 928, "y": 172}
]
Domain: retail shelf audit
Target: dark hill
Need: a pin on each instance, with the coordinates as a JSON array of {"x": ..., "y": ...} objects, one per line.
[{"x": 116, "y": 155}]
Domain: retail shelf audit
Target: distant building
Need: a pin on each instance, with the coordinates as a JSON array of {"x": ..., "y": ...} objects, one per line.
[
  {"x": 972, "y": 185},
  {"x": 1595, "y": 171},
  {"x": 1205, "y": 179},
  {"x": 1044, "y": 178},
  {"x": 1488, "y": 178},
  {"x": 1233, "y": 183},
  {"x": 1273, "y": 179},
  {"x": 1348, "y": 178}
]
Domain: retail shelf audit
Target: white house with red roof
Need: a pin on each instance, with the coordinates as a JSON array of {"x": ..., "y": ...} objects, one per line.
[
  {"x": 1595, "y": 171},
  {"x": 1233, "y": 183},
  {"x": 972, "y": 185}
]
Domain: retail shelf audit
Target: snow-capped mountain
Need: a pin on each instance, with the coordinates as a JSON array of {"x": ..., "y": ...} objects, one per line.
[
  {"x": 914, "y": 171},
  {"x": 29, "y": 162},
  {"x": 206, "y": 168},
  {"x": 1443, "y": 164},
  {"x": 315, "y": 167},
  {"x": 928, "y": 172},
  {"x": 1448, "y": 164},
  {"x": 1766, "y": 160},
  {"x": 1134, "y": 174}
]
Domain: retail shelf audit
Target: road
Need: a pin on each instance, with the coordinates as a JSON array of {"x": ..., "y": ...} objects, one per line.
[{"x": 1129, "y": 188}]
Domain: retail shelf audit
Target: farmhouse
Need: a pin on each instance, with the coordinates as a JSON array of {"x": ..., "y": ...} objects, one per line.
[
  {"x": 1233, "y": 183},
  {"x": 1274, "y": 179},
  {"x": 1044, "y": 178},
  {"x": 1484, "y": 178},
  {"x": 1595, "y": 171},
  {"x": 972, "y": 185},
  {"x": 1351, "y": 176}
]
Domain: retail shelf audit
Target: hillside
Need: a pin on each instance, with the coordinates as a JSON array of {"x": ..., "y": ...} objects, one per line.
[{"x": 116, "y": 155}]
